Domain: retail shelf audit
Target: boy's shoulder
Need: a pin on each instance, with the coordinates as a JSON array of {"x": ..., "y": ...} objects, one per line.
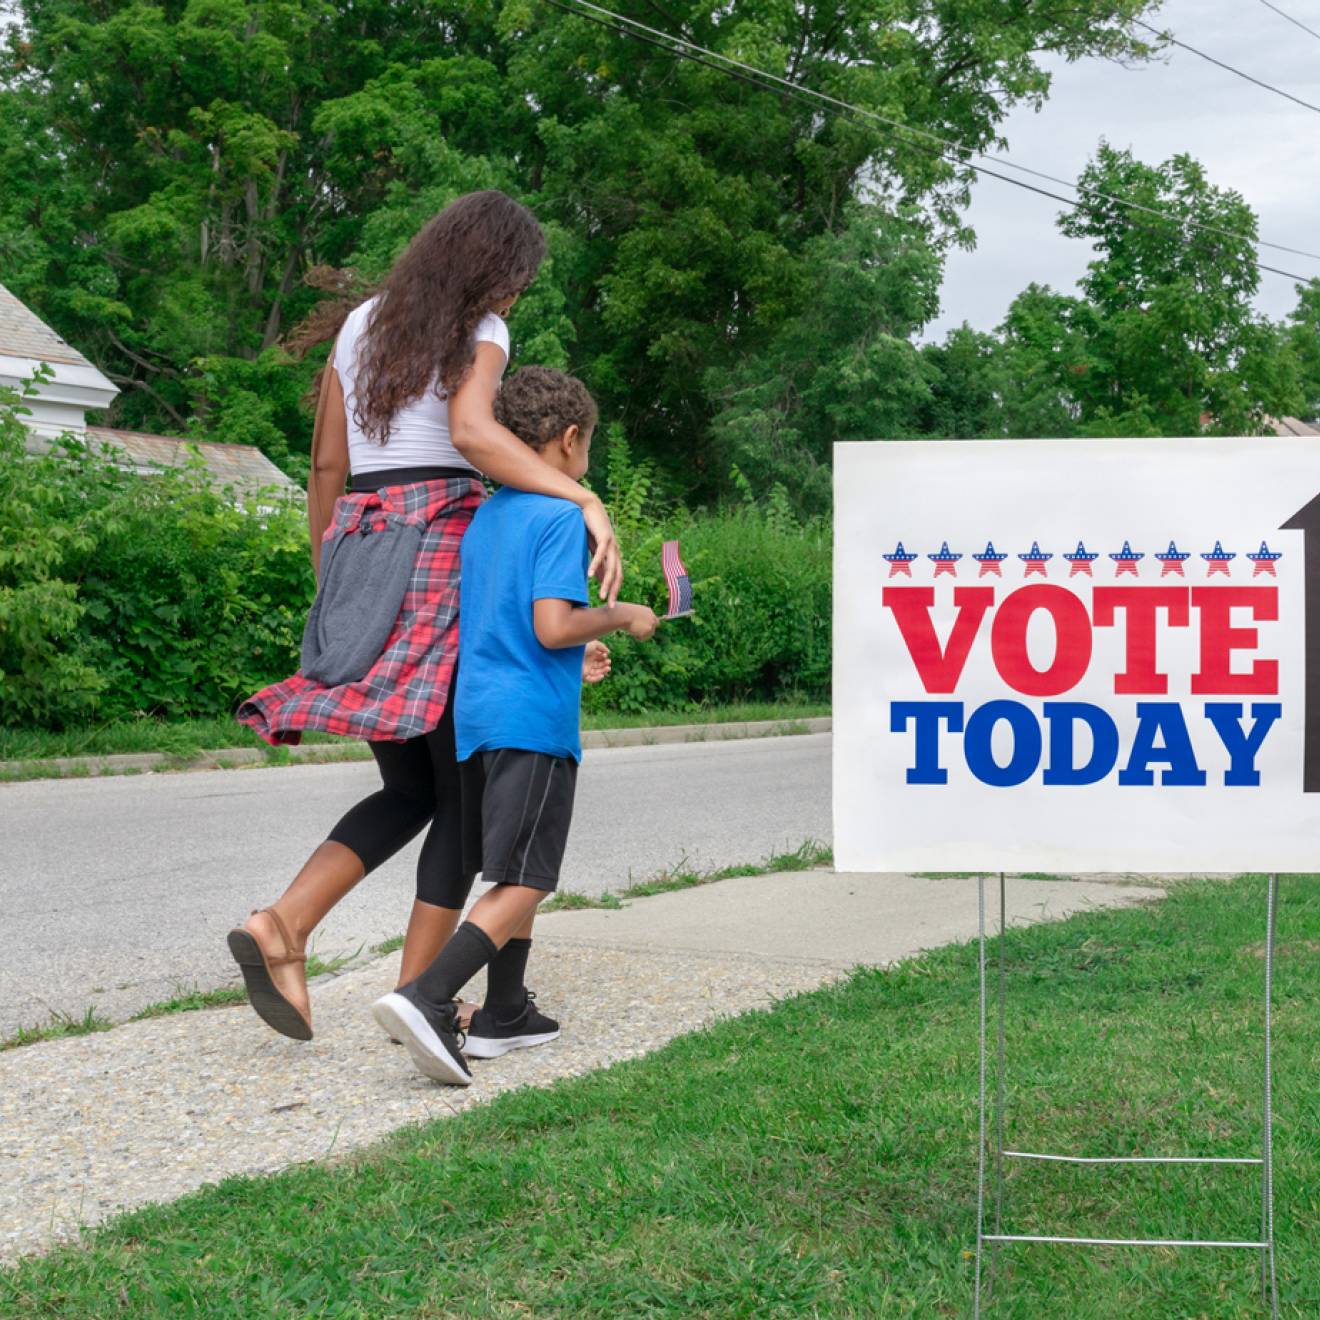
[
  {"x": 533, "y": 500},
  {"x": 525, "y": 511},
  {"x": 516, "y": 522}
]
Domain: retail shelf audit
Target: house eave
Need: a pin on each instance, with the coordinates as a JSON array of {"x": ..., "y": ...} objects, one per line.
[{"x": 71, "y": 384}]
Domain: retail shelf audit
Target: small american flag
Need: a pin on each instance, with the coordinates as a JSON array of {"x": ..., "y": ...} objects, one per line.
[{"x": 680, "y": 586}]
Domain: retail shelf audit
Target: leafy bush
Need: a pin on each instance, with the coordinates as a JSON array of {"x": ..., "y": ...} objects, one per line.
[
  {"x": 192, "y": 601},
  {"x": 44, "y": 673},
  {"x": 255, "y": 401},
  {"x": 761, "y": 583},
  {"x": 123, "y": 594},
  {"x": 762, "y": 621}
]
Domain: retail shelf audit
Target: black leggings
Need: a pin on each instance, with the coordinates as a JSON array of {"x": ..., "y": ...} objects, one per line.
[{"x": 421, "y": 783}]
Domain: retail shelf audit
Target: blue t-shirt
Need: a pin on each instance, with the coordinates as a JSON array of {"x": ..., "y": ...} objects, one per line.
[{"x": 512, "y": 691}]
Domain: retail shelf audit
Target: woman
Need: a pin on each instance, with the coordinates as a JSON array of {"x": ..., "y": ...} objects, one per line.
[{"x": 405, "y": 406}]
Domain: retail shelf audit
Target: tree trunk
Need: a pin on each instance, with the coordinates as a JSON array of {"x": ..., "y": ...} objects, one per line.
[
  {"x": 256, "y": 267},
  {"x": 272, "y": 331}
]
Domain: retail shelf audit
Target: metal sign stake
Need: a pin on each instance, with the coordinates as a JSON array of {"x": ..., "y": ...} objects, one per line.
[{"x": 1265, "y": 1244}]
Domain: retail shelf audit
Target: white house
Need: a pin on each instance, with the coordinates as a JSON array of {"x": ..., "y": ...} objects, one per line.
[
  {"x": 77, "y": 386},
  {"x": 60, "y": 406}
]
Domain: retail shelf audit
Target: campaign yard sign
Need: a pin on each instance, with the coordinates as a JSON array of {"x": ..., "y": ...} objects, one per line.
[{"x": 1077, "y": 655}]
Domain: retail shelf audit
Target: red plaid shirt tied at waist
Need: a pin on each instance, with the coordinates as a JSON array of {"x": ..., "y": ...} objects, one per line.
[{"x": 404, "y": 692}]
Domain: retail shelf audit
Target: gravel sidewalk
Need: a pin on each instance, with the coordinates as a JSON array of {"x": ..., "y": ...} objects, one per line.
[{"x": 92, "y": 1125}]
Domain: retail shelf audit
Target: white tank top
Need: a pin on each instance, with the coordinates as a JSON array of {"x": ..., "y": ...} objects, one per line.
[{"x": 419, "y": 431}]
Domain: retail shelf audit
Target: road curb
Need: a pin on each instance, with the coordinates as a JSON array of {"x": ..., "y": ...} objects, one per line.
[
  {"x": 225, "y": 758},
  {"x": 689, "y": 733}
]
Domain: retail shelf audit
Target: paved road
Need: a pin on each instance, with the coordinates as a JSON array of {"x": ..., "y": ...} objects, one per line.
[{"x": 117, "y": 892}]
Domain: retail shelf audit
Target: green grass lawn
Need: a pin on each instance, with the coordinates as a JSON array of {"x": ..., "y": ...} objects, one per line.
[
  {"x": 815, "y": 1160},
  {"x": 180, "y": 738},
  {"x": 184, "y": 739}
]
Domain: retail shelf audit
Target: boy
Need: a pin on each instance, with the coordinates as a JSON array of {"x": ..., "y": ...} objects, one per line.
[{"x": 524, "y": 622}]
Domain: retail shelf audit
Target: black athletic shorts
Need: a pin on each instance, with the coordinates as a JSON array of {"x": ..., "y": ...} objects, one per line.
[{"x": 517, "y": 807}]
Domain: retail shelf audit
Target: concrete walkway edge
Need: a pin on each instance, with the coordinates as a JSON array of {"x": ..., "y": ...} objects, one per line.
[
  {"x": 224, "y": 758},
  {"x": 92, "y": 1125}
]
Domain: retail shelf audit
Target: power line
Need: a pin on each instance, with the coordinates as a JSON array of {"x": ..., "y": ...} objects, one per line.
[
  {"x": 1291, "y": 19},
  {"x": 680, "y": 48},
  {"x": 801, "y": 88},
  {"x": 963, "y": 157},
  {"x": 1269, "y": 87}
]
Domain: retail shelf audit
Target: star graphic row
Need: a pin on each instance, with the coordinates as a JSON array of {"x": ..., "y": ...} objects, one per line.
[{"x": 1218, "y": 561}]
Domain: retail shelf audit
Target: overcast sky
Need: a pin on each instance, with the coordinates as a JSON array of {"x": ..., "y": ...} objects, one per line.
[{"x": 1247, "y": 138}]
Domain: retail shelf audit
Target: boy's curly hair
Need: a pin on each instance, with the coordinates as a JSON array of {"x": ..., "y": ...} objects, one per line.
[{"x": 539, "y": 403}]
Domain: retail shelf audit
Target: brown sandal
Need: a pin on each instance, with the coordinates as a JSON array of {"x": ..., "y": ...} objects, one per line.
[{"x": 271, "y": 1006}]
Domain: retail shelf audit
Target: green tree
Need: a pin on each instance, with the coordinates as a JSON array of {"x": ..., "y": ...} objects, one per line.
[
  {"x": 200, "y": 176},
  {"x": 1173, "y": 342},
  {"x": 697, "y": 197},
  {"x": 1047, "y": 350},
  {"x": 1161, "y": 337},
  {"x": 844, "y": 368},
  {"x": 966, "y": 382},
  {"x": 1304, "y": 340},
  {"x": 174, "y": 170}
]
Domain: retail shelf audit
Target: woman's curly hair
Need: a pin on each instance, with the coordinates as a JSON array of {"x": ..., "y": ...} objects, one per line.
[
  {"x": 539, "y": 403},
  {"x": 481, "y": 251}
]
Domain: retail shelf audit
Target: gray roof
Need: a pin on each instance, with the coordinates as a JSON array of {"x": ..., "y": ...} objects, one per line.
[
  {"x": 242, "y": 466},
  {"x": 23, "y": 334},
  {"x": 1291, "y": 426}
]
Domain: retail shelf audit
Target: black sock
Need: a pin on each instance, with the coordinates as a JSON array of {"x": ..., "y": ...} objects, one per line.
[
  {"x": 468, "y": 951},
  {"x": 505, "y": 992}
]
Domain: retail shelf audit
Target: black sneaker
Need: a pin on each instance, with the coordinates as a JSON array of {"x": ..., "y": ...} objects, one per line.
[
  {"x": 431, "y": 1035},
  {"x": 394, "y": 1040},
  {"x": 488, "y": 1037}
]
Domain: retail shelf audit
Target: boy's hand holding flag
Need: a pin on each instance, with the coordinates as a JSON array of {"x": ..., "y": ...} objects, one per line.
[{"x": 680, "y": 585}]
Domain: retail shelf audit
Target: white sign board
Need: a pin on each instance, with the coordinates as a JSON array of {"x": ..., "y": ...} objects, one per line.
[{"x": 1077, "y": 655}]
